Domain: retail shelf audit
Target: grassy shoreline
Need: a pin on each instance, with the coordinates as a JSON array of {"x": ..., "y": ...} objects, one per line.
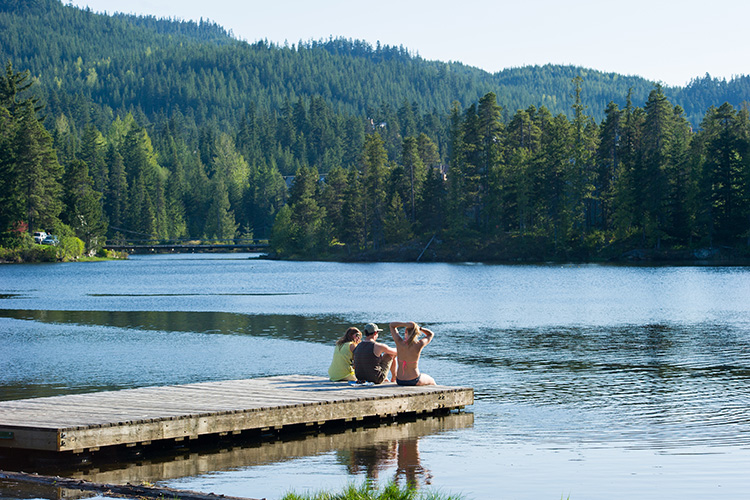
[{"x": 368, "y": 491}]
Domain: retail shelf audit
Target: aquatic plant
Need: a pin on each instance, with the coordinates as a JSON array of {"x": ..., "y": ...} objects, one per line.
[{"x": 368, "y": 491}]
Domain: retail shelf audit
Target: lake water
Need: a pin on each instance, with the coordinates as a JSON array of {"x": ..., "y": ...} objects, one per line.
[{"x": 590, "y": 381}]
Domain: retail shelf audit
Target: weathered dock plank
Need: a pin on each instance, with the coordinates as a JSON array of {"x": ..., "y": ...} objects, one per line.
[{"x": 93, "y": 421}]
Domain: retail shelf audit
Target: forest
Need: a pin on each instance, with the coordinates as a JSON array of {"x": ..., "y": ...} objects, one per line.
[{"x": 117, "y": 127}]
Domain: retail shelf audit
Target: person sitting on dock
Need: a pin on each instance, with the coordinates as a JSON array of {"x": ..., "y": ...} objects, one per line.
[
  {"x": 341, "y": 366},
  {"x": 409, "y": 348},
  {"x": 372, "y": 359}
]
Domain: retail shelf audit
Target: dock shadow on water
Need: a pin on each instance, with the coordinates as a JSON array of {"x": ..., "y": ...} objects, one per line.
[{"x": 379, "y": 452}]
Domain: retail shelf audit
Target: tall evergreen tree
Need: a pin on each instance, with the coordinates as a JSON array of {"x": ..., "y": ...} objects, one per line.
[
  {"x": 83, "y": 209},
  {"x": 354, "y": 229},
  {"x": 307, "y": 228},
  {"x": 396, "y": 225},
  {"x": 651, "y": 176},
  {"x": 608, "y": 165},
  {"x": 116, "y": 199},
  {"x": 37, "y": 171},
  {"x": 581, "y": 173},
  {"x": 724, "y": 165},
  {"x": 458, "y": 202},
  {"x": 628, "y": 204},
  {"x": 333, "y": 196},
  {"x": 490, "y": 149},
  {"x": 432, "y": 204},
  {"x": 374, "y": 173},
  {"x": 220, "y": 222},
  {"x": 93, "y": 152},
  {"x": 414, "y": 173}
]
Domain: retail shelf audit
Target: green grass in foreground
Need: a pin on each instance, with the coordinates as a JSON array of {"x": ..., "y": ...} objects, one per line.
[{"x": 367, "y": 491}]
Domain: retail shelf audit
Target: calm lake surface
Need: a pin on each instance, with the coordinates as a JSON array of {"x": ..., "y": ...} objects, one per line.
[{"x": 590, "y": 381}]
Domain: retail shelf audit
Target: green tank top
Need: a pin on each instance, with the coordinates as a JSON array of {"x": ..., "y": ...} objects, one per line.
[{"x": 341, "y": 366}]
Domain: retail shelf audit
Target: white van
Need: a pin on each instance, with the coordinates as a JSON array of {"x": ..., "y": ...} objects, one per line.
[{"x": 39, "y": 237}]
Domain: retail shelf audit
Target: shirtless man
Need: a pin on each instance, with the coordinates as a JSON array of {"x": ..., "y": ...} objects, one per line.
[{"x": 372, "y": 359}]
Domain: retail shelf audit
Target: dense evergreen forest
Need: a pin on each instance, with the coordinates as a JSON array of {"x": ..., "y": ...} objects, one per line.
[{"x": 115, "y": 126}]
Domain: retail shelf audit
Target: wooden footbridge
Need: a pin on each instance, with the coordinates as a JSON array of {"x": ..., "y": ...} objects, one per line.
[
  {"x": 188, "y": 247},
  {"x": 89, "y": 422}
]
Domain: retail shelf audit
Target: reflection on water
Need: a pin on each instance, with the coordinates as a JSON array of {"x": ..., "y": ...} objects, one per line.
[
  {"x": 656, "y": 385},
  {"x": 368, "y": 451},
  {"x": 311, "y": 329},
  {"x": 588, "y": 379},
  {"x": 50, "y": 353},
  {"x": 401, "y": 455},
  {"x": 13, "y": 490}
]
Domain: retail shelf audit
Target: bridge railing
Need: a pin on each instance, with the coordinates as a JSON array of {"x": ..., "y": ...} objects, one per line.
[
  {"x": 185, "y": 241},
  {"x": 185, "y": 244}
]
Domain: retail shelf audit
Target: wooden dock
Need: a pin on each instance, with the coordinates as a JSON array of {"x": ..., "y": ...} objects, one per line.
[{"x": 89, "y": 422}]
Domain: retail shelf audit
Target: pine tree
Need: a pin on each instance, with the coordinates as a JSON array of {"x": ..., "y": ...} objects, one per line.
[
  {"x": 333, "y": 196},
  {"x": 29, "y": 169},
  {"x": 414, "y": 173},
  {"x": 581, "y": 174},
  {"x": 354, "y": 230},
  {"x": 490, "y": 150},
  {"x": 83, "y": 209},
  {"x": 608, "y": 164},
  {"x": 229, "y": 164},
  {"x": 116, "y": 198},
  {"x": 220, "y": 222},
  {"x": 308, "y": 231},
  {"x": 93, "y": 152},
  {"x": 432, "y": 203},
  {"x": 374, "y": 173},
  {"x": 11, "y": 211},
  {"x": 37, "y": 171},
  {"x": 627, "y": 195},
  {"x": 557, "y": 144},
  {"x": 428, "y": 151},
  {"x": 146, "y": 180},
  {"x": 651, "y": 177},
  {"x": 681, "y": 181},
  {"x": 396, "y": 225},
  {"x": 457, "y": 193},
  {"x": 725, "y": 159}
]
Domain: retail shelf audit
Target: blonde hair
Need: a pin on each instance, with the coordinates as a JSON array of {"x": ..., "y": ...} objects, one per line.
[
  {"x": 412, "y": 334},
  {"x": 349, "y": 336}
]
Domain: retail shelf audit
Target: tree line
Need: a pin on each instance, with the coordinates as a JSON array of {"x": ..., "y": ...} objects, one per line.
[{"x": 537, "y": 185}]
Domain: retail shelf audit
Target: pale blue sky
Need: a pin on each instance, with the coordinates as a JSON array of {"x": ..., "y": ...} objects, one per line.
[{"x": 669, "y": 41}]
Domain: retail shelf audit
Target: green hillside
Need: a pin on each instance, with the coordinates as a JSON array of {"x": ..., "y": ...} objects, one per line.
[
  {"x": 159, "y": 130},
  {"x": 155, "y": 66}
]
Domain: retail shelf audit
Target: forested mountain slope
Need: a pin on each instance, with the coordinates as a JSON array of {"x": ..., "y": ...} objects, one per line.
[
  {"x": 161, "y": 130},
  {"x": 155, "y": 66}
]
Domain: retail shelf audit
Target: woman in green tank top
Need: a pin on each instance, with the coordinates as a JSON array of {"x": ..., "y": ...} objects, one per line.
[{"x": 341, "y": 367}]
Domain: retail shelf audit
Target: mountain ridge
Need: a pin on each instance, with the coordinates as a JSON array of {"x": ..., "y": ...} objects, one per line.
[{"x": 175, "y": 63}]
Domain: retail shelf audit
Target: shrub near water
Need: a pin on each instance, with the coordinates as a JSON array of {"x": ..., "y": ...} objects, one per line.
[
  {"x": 368, "y": 492},
  {"x": 71, "y": 247},
  {"x": 25, "y": 250}
]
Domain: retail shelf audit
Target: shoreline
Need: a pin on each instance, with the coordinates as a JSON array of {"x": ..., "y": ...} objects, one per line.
[{"x": 703, "y": 257}]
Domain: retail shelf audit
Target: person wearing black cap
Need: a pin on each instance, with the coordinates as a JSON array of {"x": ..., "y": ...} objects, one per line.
[{"x": 372, "y": 359}]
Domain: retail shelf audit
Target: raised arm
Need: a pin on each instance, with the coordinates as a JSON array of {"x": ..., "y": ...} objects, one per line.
[
  {"x": 395, "y": 325},
  {"x": 428, "y": 335}
]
